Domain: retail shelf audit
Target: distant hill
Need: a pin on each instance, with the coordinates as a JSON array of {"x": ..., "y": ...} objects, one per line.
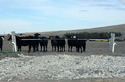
[{"x": 114, "y": 28}]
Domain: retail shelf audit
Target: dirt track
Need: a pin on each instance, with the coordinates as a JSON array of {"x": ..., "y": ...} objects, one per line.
[{"x": 92, "y": 48}]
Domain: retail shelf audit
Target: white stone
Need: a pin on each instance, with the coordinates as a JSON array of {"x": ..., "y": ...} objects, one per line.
[{"x": 62, "y": 67}]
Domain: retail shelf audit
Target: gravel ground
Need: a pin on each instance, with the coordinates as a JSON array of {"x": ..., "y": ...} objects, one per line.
[{"x": 61, "y": 67}]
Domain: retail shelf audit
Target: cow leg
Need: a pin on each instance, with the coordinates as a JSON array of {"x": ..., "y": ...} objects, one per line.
[
  {"x": 34, "y": 48},
  {"x": 37, "y": 47},
  {"x": 81, "y": 49},
  {"x": 68, "y": 48},
  {"x": 71, "y": 48},
  {"x": 41, "y": 48},
  {"x": 58, "y": 48},
  {"x": 78, "y": 49},
  {"x": 29, "y": 48},
  {"x": 19, "y": 48},
  {"x": 61, "y": 49},
  {"x": 55, "y": 48},
  {"x": 84, "y": 46},
  {"x": 64, "y": 48},
  {"x": 52, "y": 48},
  {"x": 0, "y": 48},
  {"x": 46, "y": 48}
]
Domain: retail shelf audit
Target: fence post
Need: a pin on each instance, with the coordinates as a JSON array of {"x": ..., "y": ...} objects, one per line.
[
  {"x": 14, "y": 41},
  {"x": 112, "y": 42}
]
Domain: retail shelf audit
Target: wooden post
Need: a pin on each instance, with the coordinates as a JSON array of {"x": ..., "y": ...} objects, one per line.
[
  {"x": 14, "y": 41},
  {"x": 112, "y": 42}
]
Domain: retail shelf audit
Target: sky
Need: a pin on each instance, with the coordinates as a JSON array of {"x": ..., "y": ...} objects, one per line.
[{"x": 55, "y": 15}]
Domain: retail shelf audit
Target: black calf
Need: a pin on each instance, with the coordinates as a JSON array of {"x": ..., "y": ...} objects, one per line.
[
  {"x": 43, "y": 44},
  {"x": 80, "y": 44}
]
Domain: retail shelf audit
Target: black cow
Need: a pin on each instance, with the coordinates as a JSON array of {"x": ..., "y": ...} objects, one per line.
[
  {"x": 58, "y": 42},
  {"x": 26, "y": 41},
  {"x": 72, "y": 42},
  {"x": 81, "y": 44},
  {"x": 78, "y": 43},
  {"x": 37, "y": 36},
  {"x": 43, "y": 44},
  {"x": 53, "y": 43},
  {"x": 43, "y": 41},
  {"x": 1, "y": 43}
]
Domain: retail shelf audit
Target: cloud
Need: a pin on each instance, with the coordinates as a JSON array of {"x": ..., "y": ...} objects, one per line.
[
  {"x": 106, "y": 5},
  {"x": 93, "y": 0},
  {"x": 14, "y": 22},
  {"x": 83, "y": 10},
  {"x": 120, "y": 8},
  {"x": 40, "y": 6},
  {"x": 122, "y": 1},
  {"x": 15, "y": 25},
  {"x": 100, "y": 3},
  {"x": 23, "y": 3}
]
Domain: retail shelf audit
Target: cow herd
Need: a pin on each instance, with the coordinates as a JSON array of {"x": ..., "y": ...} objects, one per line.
[{"x": 57, "y": 43}]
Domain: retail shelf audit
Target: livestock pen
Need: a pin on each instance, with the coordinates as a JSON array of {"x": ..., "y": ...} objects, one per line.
[{"x": 92, "y": 47}]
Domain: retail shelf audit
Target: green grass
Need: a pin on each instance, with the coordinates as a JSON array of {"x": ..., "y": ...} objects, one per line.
[
  {"x": 8, "y": 52},
  {"x": 98, "y": 40}
]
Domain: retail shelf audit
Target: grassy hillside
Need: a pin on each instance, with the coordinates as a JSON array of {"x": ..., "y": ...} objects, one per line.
[{"x": 115, "y": 28}]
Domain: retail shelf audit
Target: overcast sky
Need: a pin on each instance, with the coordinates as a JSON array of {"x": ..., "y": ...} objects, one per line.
[{"x": 53, "y": 15}]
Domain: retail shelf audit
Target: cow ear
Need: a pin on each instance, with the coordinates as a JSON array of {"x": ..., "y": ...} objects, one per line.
[
  {"x": 2, "y": 38},
  {"x": 8, "y": 36}
]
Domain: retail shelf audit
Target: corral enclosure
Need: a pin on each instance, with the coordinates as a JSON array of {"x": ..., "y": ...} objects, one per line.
[{"x": 92, "y": 47}]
